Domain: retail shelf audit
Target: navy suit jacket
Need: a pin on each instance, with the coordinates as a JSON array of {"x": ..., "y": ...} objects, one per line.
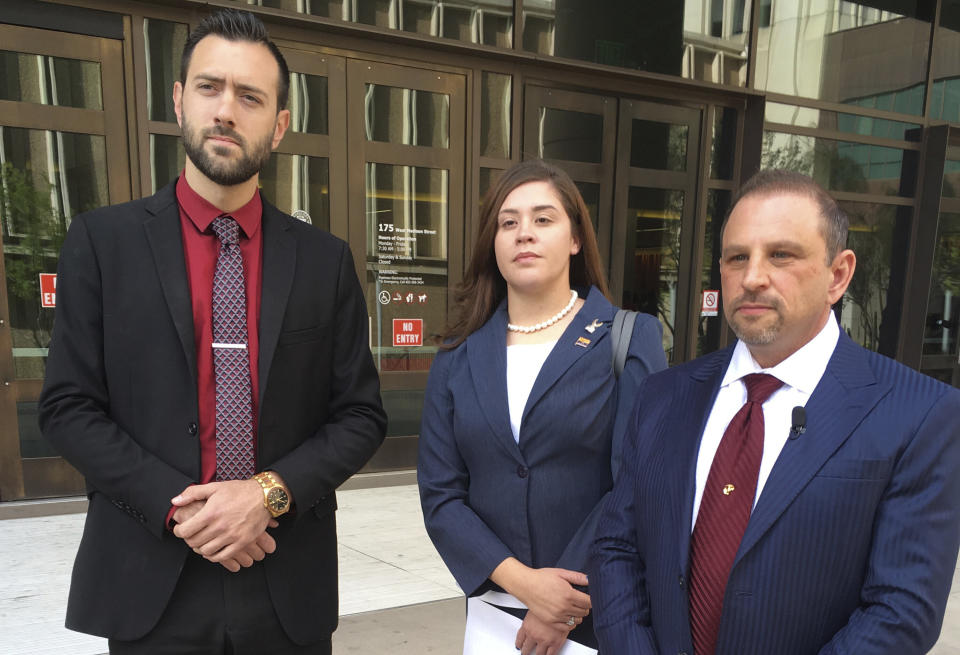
[
  {"x": 485, "y": 498},
  {"x": 852, "y": 544},
  {"x": 120, "y": 403}
]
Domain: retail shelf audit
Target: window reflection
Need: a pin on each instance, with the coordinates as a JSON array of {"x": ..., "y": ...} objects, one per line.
[
  {"x": 166, "y": 159},
  {"x": 838, "y": 165},
  {"x": 50, "y": 80},
  {"x": 407, "y": 221},
  {"x": 723, "y": 146},
  {"x": 407, "y": 116},
  {"x": 652, "y": 262},
  {"x": 299, "y": 185},
  {"x": 775, "y": 112},
  {"x": 865, "y": 314},
  {"x": 163, "y": 44},
  {"x": 48, "y": 177},
  {"x": 945, "y": 95},
  {"x": 660, "y": 146},
  {"x": 495, "y": 115},
  {"x": 708, "y": 327},
  {"x": 570, "y": 135},
  {"x": 699, "y": 39},
  {"x": 943, "y": 306},
  {"x": 846, "y": 52},
  {"x": 308, "y": 103}
]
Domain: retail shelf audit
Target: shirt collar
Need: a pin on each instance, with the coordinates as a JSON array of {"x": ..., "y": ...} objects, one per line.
[
  {"x": 201, "y": 213},
  {"x": 802, "y": 370}
]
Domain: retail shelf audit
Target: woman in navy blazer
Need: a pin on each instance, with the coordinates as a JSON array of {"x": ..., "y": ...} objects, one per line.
[{"x": 510, "y": 497}]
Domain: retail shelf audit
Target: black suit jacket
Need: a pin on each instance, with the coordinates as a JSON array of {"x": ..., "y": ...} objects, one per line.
[{"x": 120, "y": 403}]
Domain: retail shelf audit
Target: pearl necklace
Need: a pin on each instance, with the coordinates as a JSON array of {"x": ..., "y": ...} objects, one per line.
[{"x": 550, "y": 321}]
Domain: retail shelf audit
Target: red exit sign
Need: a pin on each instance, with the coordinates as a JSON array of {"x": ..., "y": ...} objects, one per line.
[
  {"x": 48, "y": 289},
  {"x": 407, "y": 332}
]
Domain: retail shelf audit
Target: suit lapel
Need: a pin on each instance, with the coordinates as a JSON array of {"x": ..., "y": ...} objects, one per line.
[
  {"x": 845, "y": 395},
  {"x": 487, "y": 355},
  {"x": 695, "y": 405},
  {"x": 575, "y": 342},
  {"x": 166, "y": 244},
  {"x": 279, "y": 264}
]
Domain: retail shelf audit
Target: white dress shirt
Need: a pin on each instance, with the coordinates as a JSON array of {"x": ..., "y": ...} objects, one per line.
[
  {"x": 800, "y": 374},
  {"x": 524, "y": 362}
]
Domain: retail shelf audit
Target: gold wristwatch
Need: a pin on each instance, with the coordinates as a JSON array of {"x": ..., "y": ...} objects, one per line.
[{"x": 275, "y": 497}]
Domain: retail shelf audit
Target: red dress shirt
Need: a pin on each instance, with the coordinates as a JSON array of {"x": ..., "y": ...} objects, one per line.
[{"x": 201, "y": 247}]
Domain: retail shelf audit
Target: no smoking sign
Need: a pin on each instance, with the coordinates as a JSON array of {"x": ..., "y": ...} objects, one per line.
[{"x": 711, "y": 302}]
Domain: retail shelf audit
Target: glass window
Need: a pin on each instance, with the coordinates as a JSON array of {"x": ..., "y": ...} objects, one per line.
[
  {"x": 407, "y": 116},
  {"x": 299, "y": 185},
  {"x": 846, "y": 52},
  {"x": 837, "y": 165},
  {"x": 652, "y": 261},
  {"x": 495, "y": 114},
  {"x": 723, "y": 146},
  {"x": 166, "y": 159},
  {"x": 489, "y": 22},
  {"x": 308, "y": 103},
  {"x": 591, "y": 198},
  {"x": 708, "y": 327},
  {"x": 45, "y": 178},
  {"x": 50, "y": 80},
  {"x": 407, "y": 223},
  {"x": 661, "y": 146},
  {"x": 570, "y": 135},
  {"x": 945, "y": 97},
  {"x": 775, "y": 112},
  {"x": 488, "y": 176},
  {"x": 951, "y": 179},
  {"x": 865, "y": 314},
  {"x": 694, "y": 38},
  {"x": 163, "y": 44},
  {"x": 943, "y": 306}
]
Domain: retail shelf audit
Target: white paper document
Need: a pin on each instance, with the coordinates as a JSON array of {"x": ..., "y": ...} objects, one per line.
[{"x": 491, "y": 631}]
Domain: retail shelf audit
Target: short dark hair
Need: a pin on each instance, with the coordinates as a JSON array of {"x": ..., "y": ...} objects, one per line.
[
  {"x": 236, "y": 25},
  {"x": 834, "y": 224}
]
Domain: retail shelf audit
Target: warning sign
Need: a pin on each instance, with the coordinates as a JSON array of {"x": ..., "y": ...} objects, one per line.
[
  {"x": 711, "y": 302},
  {"x": 48, "y": 289},
  {"x": 408, "y": 332}
]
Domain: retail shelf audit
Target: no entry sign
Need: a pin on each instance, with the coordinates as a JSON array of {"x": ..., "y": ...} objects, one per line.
[
  {"x": 407, "y": 332},
  {"x": 48, "y": 289}
]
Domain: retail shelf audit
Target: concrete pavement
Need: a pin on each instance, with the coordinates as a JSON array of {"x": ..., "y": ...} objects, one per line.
[{"x": 396, "y": 596}]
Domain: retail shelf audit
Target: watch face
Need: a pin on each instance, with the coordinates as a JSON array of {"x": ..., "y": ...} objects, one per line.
[{"x": 277, "y": 500}]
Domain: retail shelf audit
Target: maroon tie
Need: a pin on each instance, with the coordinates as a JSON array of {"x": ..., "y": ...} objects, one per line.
[
  {"x": 724, "y": 512},
  {"x": 231, "y": 361}
]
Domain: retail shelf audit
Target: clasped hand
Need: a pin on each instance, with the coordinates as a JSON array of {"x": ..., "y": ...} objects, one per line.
[{"x": 225, "y": 522}]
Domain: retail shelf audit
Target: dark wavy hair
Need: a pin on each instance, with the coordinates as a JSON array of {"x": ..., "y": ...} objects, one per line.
[
  {"x": 236, "y": 25},
  {"x": 483, "y": 287}
]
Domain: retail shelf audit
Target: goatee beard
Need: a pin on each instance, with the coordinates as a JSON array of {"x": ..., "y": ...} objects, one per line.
[{"x": 225, "y": 173}]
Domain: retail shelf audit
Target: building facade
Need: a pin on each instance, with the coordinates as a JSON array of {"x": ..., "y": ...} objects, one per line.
[{"x": 405, "y": 111}]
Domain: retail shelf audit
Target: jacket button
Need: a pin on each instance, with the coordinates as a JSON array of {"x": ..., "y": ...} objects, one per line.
[
  {"x": 522, "y": 471},
  {"x": 681, "y": 581},
  {"x": 192, "y": 429}
]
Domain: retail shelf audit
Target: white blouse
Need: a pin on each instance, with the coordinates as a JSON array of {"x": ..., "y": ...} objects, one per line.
[{"x": 524, "y": 362}]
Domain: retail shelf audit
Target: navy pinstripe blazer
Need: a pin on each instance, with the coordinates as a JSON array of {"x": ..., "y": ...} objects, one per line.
[
  {"x": 851, "y": 547},
  {"x": 486, "y": 498}
]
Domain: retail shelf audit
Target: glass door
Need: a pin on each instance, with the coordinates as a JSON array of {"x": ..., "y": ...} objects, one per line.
[
  {"x": 652, "y": 266},
  {"x": 58, "y": 94},
  {"x": 406, "y": 132},
  {"x": 577, "y": 132}
]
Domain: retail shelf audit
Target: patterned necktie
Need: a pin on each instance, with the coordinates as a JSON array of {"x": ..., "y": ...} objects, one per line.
[
  {"x": 231, "y": 362},
  {"x": 725, "y": 511}
]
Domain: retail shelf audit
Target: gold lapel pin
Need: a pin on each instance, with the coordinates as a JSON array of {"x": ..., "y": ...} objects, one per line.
[
  {"x": 727, "y": 489},
  {"x": 583, "y": 342},
  {"x": 593, "y": 326}
]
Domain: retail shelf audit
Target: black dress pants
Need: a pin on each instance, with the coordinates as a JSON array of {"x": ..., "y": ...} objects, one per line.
[{"x": 216, "y": 612}]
